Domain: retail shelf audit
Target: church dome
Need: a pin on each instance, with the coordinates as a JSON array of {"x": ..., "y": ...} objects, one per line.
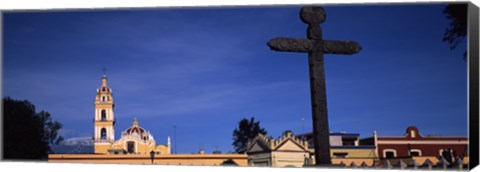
[{"x": 136, "y": 130}]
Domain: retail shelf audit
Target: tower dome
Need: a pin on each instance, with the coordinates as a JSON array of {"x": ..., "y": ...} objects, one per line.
[{"x": 104, "y": 88}]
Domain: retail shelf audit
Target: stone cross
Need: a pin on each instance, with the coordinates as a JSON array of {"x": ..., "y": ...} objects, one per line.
[{"x": 315, "y": 46}]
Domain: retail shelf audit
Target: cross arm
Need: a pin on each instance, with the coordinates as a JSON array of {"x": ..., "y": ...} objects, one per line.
[
  {"x": 307, "y": 45},
  {"x": 341, "y": 47},
  {"x": 291, "y": 44}
]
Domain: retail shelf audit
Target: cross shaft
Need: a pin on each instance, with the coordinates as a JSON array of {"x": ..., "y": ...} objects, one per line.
[{"x": 316, "y": 47}]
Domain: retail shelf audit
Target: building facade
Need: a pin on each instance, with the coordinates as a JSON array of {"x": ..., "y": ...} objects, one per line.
[
  {"x": 136, "y": 144},
  {"x": 343, "y": 145},
  {"x": 286, "y": 151},
  {"x": 134, "y": 140},
  {"x": 414, "y": 144}
]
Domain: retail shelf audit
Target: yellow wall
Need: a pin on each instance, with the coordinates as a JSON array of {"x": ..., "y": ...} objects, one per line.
[
  {"x": 352, "y": 153},
  {"x": 162, "y": 148},
  {"x": 101, "y": 149},
  {"x": 141, "y": 147},
  {"x": 103, "y": 123},
  {"x": 177, "y": 159},
  {"x": 104, "y": 106},
  {"x": 355, "y": 153},
  {"x": 288, "y": 159}
]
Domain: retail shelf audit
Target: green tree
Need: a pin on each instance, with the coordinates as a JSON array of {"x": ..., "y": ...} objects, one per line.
[
  {"x": 50, "y": 128},
  {"x": 229, "y": 162},
  {"x": 457, "y": 30},
  {"x": 246, "y": 130},
  {"x": 27, "y": 134}
]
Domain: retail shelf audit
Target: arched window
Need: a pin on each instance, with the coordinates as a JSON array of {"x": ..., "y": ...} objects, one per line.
[
  {"x": 415, "y": 152},
  {"x": 103, "y": 98},
  {"x": 389, "y": 153},
  {"x": 104, "y": 115},
  {"x": 103, "y": 134}
]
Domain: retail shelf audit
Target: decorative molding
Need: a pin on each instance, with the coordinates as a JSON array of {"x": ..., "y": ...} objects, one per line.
[{"x": 272, "y": 145}]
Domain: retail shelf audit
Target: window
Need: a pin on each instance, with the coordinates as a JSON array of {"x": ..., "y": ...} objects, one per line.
[
  {"x": 103, "y": 134},
  {"x": 260, "y": 164},
  {"x": 389, "y": 153},
  {"x": 340, "y": 154},
  {"x": 103, "y": 98},
  {"x": 349, "y": 143},
  {"x": 415, "y": 152},
  {"x": 131, "y": 147},
  {"x": 104, "y": 115}
]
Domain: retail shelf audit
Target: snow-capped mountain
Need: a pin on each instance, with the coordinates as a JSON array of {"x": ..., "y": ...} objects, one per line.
[
  {"x": 77, "y": 145},
  {"x": 85, "y": 141}
]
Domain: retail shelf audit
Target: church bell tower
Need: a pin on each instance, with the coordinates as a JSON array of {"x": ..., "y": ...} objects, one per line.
[{"x": 104, "y": 121}]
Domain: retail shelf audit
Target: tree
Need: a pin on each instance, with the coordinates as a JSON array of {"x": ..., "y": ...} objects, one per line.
[
  {"x": 229, "y": 162},
  {"x": 27, "y": 134},
  {"x": 246, "y": 130},
  {"x": 457, "y": 30},
  {"x": 50, "y": 128}
]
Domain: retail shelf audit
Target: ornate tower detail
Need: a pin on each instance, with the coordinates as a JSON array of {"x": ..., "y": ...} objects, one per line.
[
  {"x": 134, "y": 140},
  {"x": 104, "y": 121}
]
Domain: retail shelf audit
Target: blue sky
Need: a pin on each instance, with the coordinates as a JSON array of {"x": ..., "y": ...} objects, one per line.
[{"x": 204, "y": 69}]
